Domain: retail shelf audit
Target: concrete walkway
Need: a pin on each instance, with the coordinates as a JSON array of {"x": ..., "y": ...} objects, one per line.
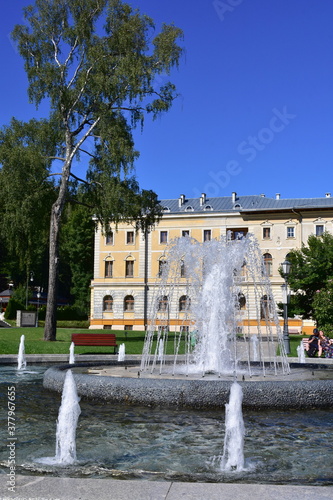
[{"x": 58, "y": 488}]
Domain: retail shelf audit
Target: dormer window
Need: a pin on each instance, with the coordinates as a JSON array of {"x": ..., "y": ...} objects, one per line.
[
  {"x": 208, "y": 207},
  {"x": 189, "y": 209}
]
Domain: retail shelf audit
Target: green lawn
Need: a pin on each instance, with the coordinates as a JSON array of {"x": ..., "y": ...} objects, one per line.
[
  {"x": 34, "y": 343},
  {"x": 295, "y": 341}
]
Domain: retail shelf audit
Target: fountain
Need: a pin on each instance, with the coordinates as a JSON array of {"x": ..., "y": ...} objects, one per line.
[
  {"x": 121, "y": 353},
  {"x": 21, "y": 359},
  {"x": 205, "y": 286},
  {"x": 125, "y": 434},
  {"x": 66, "y": 425},
  {"x": 133, "y": 442},
  {"x": 254, "y": 343},
  {"x": 233, "y": 451},
  {"x": 71, "y": 354},
  {"x": 301, "y": 353}
]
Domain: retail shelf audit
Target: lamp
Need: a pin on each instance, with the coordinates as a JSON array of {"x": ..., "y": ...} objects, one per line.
[
  {"x": 38, "y": 297},
  {"x": 286, "y": 266}
]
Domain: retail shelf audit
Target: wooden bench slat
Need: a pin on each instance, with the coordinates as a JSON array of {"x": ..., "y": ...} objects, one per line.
[{"x": 95, "y": 339}]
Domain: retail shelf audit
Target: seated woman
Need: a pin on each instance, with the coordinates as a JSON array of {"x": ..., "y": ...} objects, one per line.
[
  {"x": 313, "y": 343},
  {"x": 323, "y": 343},
  {"x": 326, "y": 345}
]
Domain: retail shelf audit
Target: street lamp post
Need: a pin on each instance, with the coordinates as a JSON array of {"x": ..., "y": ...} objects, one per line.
[
  {"x": 285, "y": 299},
  {"x": 31, "y": 277},
  {"x": 38, "y": 297}
]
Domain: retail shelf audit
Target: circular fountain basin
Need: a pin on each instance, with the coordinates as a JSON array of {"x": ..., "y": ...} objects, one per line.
[{"x": 307, "y": 386}]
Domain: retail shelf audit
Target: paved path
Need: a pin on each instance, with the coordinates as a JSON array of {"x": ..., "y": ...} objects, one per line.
[{"x": 53, "y": 488}]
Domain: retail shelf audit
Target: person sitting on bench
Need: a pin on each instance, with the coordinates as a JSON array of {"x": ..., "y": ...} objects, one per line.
[{"x": 313, "y": 343}]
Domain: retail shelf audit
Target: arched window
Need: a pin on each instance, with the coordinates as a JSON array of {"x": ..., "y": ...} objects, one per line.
[
  {"x": 268, "y": 264},
  {"x": 129, "y": 268},
  {"x": 107, "y": 303},
  {"x": 241, "y": 301},
  {"x": 108, "y": 269},
  {"x": 163, "y": 303},
  {"x": 266, "y": 307},
  {"x": 184, "y": 303},
  {"x": 129, "y": 303}
]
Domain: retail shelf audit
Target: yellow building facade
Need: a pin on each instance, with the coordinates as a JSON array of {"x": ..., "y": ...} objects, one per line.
[{"x": 127, "y": 264}]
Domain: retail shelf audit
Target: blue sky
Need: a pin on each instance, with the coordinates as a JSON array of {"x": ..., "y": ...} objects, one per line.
[{"x": 255, "y": 112}]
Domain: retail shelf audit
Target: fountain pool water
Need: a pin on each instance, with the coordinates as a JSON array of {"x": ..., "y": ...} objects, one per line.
[{"x": 133, "y": 442}]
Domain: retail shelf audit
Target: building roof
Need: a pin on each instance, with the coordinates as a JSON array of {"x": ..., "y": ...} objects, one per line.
[
  {"x": 250, "y": 203},
  {"x": 6, "y": 293}
]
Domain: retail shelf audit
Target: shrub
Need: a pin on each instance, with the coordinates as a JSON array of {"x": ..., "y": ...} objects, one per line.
[{"x": 13, "y": 306}]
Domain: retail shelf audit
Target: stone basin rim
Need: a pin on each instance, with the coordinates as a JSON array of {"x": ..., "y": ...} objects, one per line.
[{"x": 195, "y": 394}]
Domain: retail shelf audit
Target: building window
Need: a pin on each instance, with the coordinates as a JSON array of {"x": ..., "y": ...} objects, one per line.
[
  {"x": 129, "y": 268},
  {"x": 185, "y": 233},
  {"x": 241, "y": 301},
  {"x": 164, "y": 237},
  {"x": 108, "y": 269},
  {"x": 266, "y": 233},
  {"x": 319, "y": 230},
  {"x": 161, "y": 266},
  {"x": 182, "y": 269},
  {"x": 207, "y": 235},
  {"x": 108, "y": 303},
  {"x": 184, "y": 303},
  {"x": 129, "y": 328},
  {"x": 290, "y": 232},
  {"x": 237, "y": 233},
  {"x": 109, "y": 238},
  {"x": 130, "y": 238},
  {"x": 268, "y": 264},
  {"x": 163, "y": 303},
  {"x": 129, "y": 303}
]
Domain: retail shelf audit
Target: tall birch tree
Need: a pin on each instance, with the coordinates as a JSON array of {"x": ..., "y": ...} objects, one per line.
[{"x": 97, "y": 64}]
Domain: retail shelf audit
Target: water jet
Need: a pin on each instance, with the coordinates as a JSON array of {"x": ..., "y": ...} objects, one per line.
[{"x": 21, "y": 359}]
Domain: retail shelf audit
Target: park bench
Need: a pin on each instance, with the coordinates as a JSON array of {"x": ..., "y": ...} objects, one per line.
[{"x": 95, "y": 339}]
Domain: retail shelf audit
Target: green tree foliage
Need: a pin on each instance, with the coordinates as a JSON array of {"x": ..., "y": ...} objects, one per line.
[
  {"x": 13, "y": 306},
  {"x": 96, "y": 62},
  {"x": 27, "y": 193},
  {"x": 322, "y": 305},
  {"x": 311, "y": 270},
  {"x": 77, "y": 250}
]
